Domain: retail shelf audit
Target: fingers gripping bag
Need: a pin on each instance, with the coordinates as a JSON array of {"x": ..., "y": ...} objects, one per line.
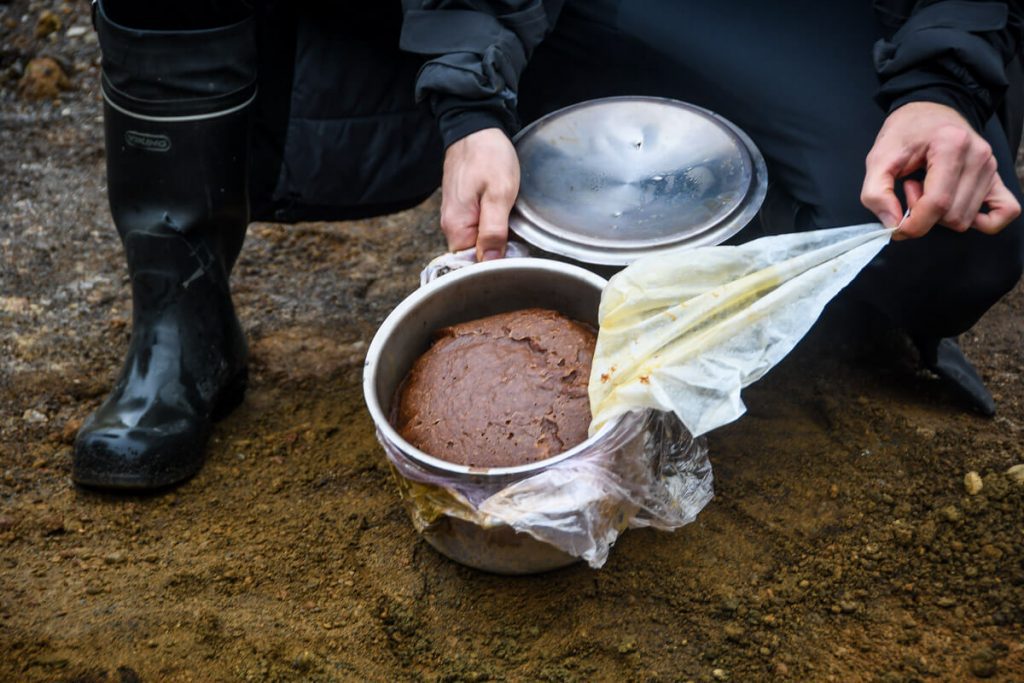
[{"x": 679, "y": 335}]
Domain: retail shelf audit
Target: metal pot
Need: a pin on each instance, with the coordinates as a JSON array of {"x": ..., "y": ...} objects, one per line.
[
  {"x": 431, "y": 487},
  {"x": 607, "y": 181}
]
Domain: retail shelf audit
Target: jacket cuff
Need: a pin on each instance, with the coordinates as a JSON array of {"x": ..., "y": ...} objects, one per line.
[
  {"x": 946, "y": 52},
  {"x": 950, "y": 95},
  {"x": 458, "y": 123}
]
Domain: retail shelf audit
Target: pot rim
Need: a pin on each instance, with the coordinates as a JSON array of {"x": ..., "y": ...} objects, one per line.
[
  {"x": 397, "y": 317},
  {"x": 538, "y": 232}
]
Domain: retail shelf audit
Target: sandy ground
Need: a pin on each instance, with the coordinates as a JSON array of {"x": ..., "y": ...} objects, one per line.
[{"x": 841, "y": 544}]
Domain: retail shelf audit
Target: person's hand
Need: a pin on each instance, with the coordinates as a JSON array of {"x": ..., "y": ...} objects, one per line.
[
  {"x": 960, "y": 174},
  {"x": 480, "y": 184}
]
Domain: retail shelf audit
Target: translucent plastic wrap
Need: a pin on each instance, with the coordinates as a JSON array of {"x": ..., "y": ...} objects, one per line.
[
  {"x": 642, "y": 470},
  {"x": 685, "y": 332},
  {"x": 680, "y": 334}
]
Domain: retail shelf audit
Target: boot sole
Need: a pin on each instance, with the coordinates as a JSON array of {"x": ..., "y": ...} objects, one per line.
[{"x": 230, "y": 397}]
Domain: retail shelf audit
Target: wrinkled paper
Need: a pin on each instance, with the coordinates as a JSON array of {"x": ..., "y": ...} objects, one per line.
[{"x": 685, "y": 332}]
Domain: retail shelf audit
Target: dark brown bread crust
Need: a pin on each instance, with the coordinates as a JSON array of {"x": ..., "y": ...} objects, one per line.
[{"x": 500, "y": 391}]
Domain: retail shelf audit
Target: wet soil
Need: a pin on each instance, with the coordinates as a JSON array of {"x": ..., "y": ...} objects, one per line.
[{"x": 842, "y": 544}]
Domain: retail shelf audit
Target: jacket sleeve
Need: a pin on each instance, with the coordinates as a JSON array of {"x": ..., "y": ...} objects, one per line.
[
  {"x": 479, "y": 49},
  {"x": 952, "y": 52}
]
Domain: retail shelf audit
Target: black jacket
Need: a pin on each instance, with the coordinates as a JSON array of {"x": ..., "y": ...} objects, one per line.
[
  {"x": 954, "y": 52},
  {"x": 338, "y": 133},
  {"x": 348, "y": 125}
]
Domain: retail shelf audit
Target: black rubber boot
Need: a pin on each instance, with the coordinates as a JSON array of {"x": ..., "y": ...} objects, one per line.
[
  {"x": 176, "y": 126},
  {"x": 945, "y": 358}
]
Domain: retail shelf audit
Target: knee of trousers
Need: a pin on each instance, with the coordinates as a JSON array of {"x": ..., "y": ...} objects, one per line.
[
  {"x": 942, "y": 284},
  {"x": 969, "y": 274}
]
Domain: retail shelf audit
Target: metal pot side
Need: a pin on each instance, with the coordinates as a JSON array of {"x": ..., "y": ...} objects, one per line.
[{"x": 473, "y": 292}]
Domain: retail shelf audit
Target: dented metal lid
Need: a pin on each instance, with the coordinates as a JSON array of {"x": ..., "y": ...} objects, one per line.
[{"x": 608, "y": 181}]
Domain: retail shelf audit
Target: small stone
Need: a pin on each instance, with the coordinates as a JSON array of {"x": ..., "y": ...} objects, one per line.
[
  {"x": 950, "y": 513},
  {"x": 833, "y": 491},
  {"x": 991, "y": 551},
  {"x": 972, "y": 483},
  {"x": 1016, "y": 473},
  {"x": 43, "y": 79},
  {"x": 116, "y": 557},
  {"x": 6, "y": 523},
  {"x": 733, "y": 632},
  {"x": 93, "y": 589},
  {"x": 781, "y": 669},
  {"x": 128, "y": 675},
  {"x": 849, "y": 606},
  {"x": 70, "y": 431},
  {"x": 33, "y": 416},
  {"x": 627, "y": 646},
  {"x": 48, "y": 23},
  {"x": 52, "y": 525},
  {"x": 983, "y": 664},
  {"x": 926, "y": 433},
  {"x": 76, "y": 31},
  {"x": 719, "y": 674},
  {"x": 946, "y": 601},
  {"x": 305, "y": 661}
]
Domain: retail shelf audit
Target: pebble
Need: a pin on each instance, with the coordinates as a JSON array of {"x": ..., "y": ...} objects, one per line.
[
  {"x": 991, "y": 551},
  {"x": 47, "y": 24},
  {"x": 972, "y": 483},
  {"x": 946, "y": 601},
  {"x": 70, "y": 430},
  {"x": 983, "y": 664},
  {"x": 1016, "y": 473},
  {"x": 33, "y": 416},
  {"x": 719, "y": 674},
  {"x": 305, "y": 661},
  {"x": 93, "y": 589},
  {"x": 733, "y": 631},
  {"x": 44, "y": 79},
  {"x": 116, "y": 557},
  {"x": 6, "y": 523},
  {"x": 52, "y": 525},
  {"x": 950, "y": 513},
  {"x": 76, "y": 31}
]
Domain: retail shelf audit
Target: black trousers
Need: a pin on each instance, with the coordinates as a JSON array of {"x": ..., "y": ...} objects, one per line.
[{"x": 798, "y": 77}]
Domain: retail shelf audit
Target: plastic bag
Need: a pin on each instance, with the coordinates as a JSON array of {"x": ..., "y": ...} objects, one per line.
[
  {"x": 685, "y": 332},
  {"x": 647, "y": 471},
  {"x": 644, "y": 470},
  {"x": 680, "y": 334}
]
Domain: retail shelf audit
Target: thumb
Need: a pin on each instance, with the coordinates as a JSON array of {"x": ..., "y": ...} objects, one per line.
[
  {"x": 879, "y": 196},
  {"x": 492, "y": 234}
]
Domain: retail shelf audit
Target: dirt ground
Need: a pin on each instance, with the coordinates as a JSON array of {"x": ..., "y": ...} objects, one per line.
[{"x": 841, "y": 545}]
